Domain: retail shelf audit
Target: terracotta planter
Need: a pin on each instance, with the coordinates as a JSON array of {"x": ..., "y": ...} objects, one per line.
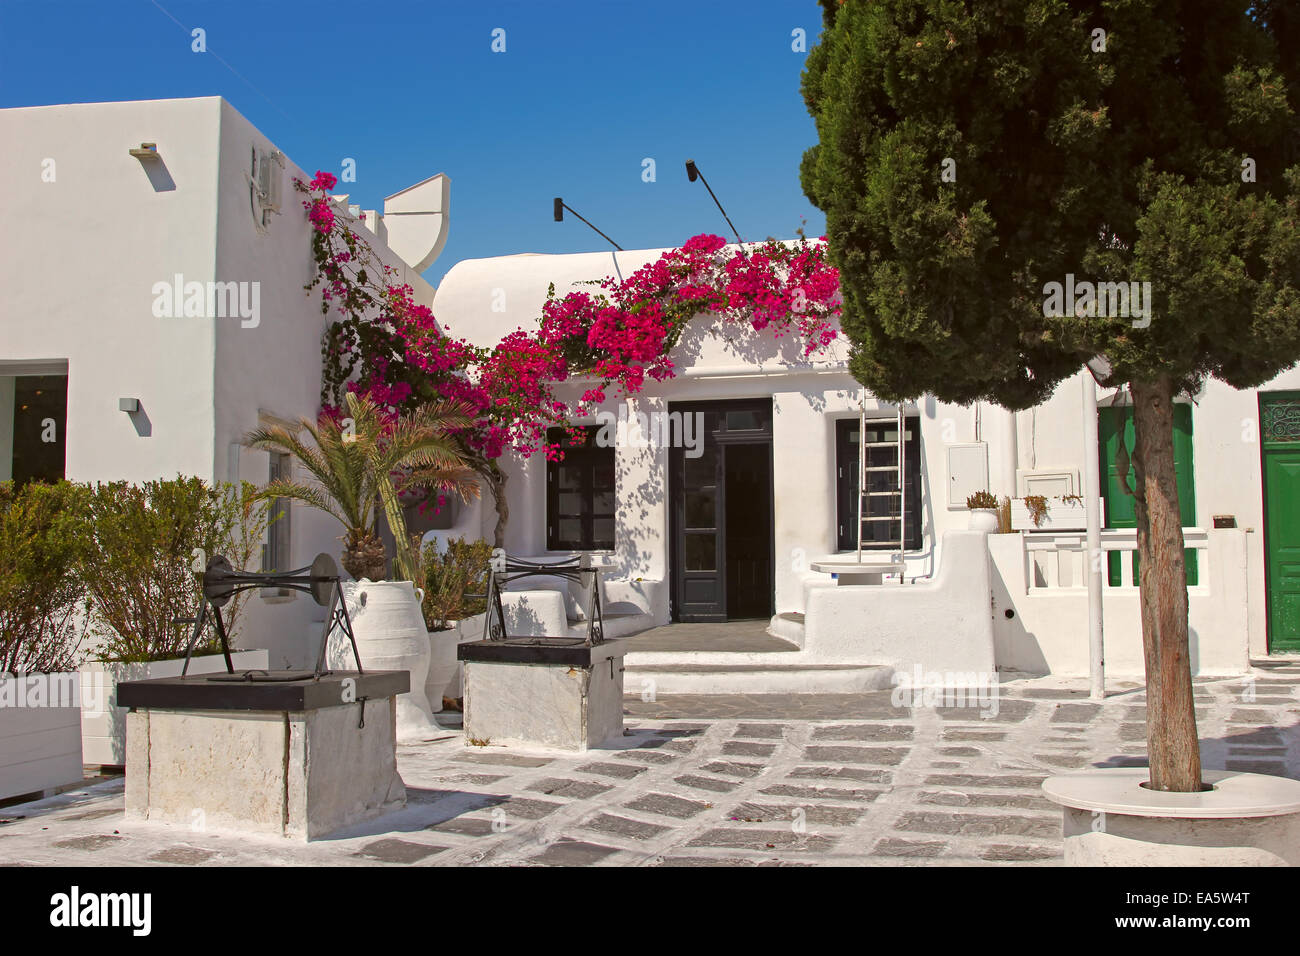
[{"x": 391, "y": 636}]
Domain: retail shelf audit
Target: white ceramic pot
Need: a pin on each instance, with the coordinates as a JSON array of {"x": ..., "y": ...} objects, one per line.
[
  {"x": 443, "y": 665},
  {"x": 983, "y": 519},
  {"x": 1110, "y": 819},
  {"x": 470, "y": 629},
  {"x": 390, "y": 635}
]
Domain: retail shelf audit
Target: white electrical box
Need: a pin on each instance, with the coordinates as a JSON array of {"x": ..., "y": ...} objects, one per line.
[{"x": 968, "y": 471}]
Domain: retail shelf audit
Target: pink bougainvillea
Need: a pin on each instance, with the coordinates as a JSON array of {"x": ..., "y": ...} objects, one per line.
[{"x": 392, "y": 348}]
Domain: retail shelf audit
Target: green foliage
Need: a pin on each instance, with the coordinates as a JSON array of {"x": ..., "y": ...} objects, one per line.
[
  {"x": 138, "y": 574},
  {"x": 451, "y": 575},
  {"x": 1115, "y": 165},
  {"x": 354, "y": 462},
  {"x": 42, "y": 541}
]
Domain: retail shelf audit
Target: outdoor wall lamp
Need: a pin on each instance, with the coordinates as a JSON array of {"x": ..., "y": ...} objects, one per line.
[
  {"x": 693, "y": 173},
  {"x": 560, "y": 206},
  {"x": 129, "y": 405},
  {"x": 146, "y": 151}
]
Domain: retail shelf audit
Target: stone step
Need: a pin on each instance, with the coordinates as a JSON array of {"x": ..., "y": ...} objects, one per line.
[
  {"x": 758, "y": 678},
  {"x": 788, "y": 625}
]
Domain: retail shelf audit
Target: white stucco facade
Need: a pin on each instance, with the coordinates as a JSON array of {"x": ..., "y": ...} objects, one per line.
[
  {"x": 96, "y": 229},
  {"x": 1030, "y": 628}
]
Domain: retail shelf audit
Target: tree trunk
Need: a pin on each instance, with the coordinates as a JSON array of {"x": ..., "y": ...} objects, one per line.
[
  {"x": 502, "y": 507},
  {"x": 1172, "y": 742}
]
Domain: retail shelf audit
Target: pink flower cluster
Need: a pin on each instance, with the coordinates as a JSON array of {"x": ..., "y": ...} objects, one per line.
[{"x": 621, "y": 335}]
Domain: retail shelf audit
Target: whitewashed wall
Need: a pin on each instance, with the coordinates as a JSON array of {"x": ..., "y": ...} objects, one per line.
[
  {"x": 485, "y": 299},
  {"x": 77, "y": 284},
  {"x": 77, "y": 275}
]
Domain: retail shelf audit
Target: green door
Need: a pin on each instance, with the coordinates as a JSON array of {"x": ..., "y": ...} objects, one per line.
[
  {"x": 1119, "y": 505},
  {"x": 1280, "y": 420}
]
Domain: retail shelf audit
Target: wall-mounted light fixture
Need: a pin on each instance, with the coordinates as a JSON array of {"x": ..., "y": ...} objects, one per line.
[
  {"x": 561, "y": 205},
  {"x": 146, "y": 151},
  {"x": 129, "y": 405},
  {"x": 693, "y": 173}
]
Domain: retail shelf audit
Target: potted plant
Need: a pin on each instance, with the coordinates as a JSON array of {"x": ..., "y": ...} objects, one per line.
[
  {"x": 137, "y": 573},
  {"x": 41, "y": 628},
  {"x": 983, "y": 511},
  {"x": 455, "y": 583},
  {"x": 356, "y": 465}
]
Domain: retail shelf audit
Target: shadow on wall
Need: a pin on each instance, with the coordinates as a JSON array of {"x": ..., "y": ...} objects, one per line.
[
  {"x": 140, "y": 420},
  {"x": 521, "y": 619},
  {"x": 639, "y": 502},
  {"x": 160, "y": 178},
  {"x": 1013, "y": 645}
]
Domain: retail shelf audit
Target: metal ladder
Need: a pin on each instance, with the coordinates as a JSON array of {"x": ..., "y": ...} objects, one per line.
[{"x": 898, "y": 469}]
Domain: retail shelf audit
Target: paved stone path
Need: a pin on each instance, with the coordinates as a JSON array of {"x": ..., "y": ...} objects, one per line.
[{"x": 770, "y": 780}]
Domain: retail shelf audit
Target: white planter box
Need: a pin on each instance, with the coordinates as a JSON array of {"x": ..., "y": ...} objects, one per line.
[
  {"x": 103, "y": 727},
  {"x": 445, "y": 671},
  {"x": 40, "y": 747},
  {"x": 1061, "y": 516}
]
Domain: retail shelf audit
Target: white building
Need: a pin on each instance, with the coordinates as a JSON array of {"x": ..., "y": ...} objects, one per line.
[
  {"x": 95, "y": 225},
  {"x": 741, "y": 530}
]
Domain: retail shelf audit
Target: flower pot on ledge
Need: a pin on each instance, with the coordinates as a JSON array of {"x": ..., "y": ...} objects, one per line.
[
  {"x": 1110, "y": 819},
  {"x": 983, "y": 519}
]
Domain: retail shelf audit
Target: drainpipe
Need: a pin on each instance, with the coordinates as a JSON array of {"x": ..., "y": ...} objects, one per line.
[{"x": 1093, "y": 555}]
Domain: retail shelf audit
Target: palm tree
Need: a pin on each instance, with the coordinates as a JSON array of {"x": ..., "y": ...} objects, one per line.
[{"x": 368, "y": 457}]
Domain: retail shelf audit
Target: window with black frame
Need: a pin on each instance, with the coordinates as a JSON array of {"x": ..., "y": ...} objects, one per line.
[
  {"x": 580, "y": 493},
  {"x": 879, "y": 533}
]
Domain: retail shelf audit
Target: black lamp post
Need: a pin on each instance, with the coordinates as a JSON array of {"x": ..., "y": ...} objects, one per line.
[
  {"x": 693, "y": 173},
  {"x": 561, "y": 205}
]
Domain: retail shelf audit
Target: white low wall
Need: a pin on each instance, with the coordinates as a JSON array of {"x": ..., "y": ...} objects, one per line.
[
  {"x": 40, "y": 748},
  {"x": 942, "y": 625},
  {"x": 1048, "y": 632}
]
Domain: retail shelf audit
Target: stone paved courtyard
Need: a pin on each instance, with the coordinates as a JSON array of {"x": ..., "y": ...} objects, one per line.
[{"x": 728, "y": 780}]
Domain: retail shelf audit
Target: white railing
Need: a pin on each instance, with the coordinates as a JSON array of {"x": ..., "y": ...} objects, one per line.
[{"x": 1055, "y": 559}]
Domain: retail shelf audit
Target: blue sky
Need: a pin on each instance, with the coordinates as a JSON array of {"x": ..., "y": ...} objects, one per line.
[{"x": 584, "y": 92}]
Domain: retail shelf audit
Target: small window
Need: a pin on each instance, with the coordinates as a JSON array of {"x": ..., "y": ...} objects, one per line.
[
  {"x": 33, "y": 417},
  {"x": 880, "y": 524},
  {"x": 275, "y": 553},
  {"x": 580, "y": 493}
]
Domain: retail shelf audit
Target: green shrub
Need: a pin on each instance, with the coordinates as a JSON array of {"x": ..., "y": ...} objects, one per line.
[
  {"x": 452, "y": 575},
  {"x": 42, "y": 541},
  {"x": 138, "y": 574}
]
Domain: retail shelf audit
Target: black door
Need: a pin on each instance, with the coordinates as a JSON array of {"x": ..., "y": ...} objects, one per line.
[{"x": 721, "y": 547}]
